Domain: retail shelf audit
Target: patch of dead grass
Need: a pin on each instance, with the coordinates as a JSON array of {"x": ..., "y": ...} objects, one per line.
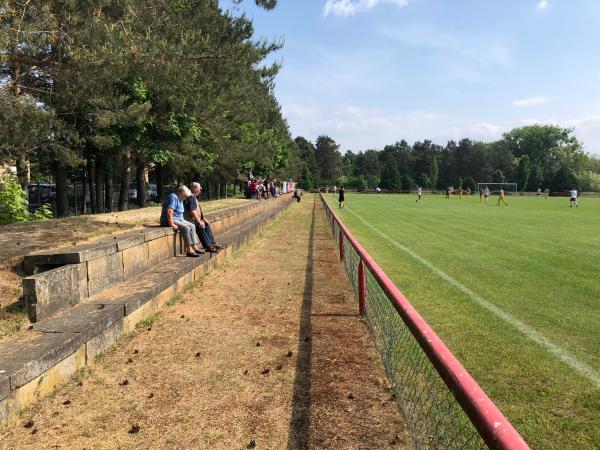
[
  {"x": 220, "y": 368},
  {"x": 18, "y": 240}
]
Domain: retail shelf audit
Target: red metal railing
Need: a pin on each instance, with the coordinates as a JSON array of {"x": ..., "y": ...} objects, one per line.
[{"x": 443, "y": 427}]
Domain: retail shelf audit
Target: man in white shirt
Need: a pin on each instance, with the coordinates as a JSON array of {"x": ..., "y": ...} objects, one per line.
[
  {"x": 573, "y": 199},
  {"x": 419, "y": 194}
]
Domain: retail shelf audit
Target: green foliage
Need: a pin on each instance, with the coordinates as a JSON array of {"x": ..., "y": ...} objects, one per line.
[
  {"x": 390, "y": 176},
  {"x": 13, "y": 201},
  {"x": 523, "y": 171},
  {"x": 470, "y": 183},
  {"x": 435, "y": 173},
  {"x": 407, "y": 183},
  {"x": 547, "y": 156},
  {"x": 589, "y": 181},
  {"x": 423, "y": 180},
  {"x": 194, "y": 95},
  {"x": 498, "y": 176},
  {"x": 43, "y": 213},
  {"x": 148, "y": 321},
  {"x": 328, "y": 159}
]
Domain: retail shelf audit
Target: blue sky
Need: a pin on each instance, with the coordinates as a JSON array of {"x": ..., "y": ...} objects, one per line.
[{"x": 371, "y": 72}]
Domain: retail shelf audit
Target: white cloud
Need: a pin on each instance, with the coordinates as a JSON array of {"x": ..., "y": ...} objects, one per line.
[
  {"x": 358, "y": 128},
  {"x": 465, "y": 51},
  {"x": 531, "y": 122},
  {"x": 588, "y": 122},
  {"x": 543, "y": 4},
  {"x": 370, "y": 121},
  {"x": 530, "y": 101},
  {"x": 480, "y": 131},
  {"x": 351, "y": 7}
]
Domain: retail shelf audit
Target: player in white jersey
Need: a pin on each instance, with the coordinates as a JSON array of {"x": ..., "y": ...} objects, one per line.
[
  {"x": 419, "y": 194},
  {"x": 573, "y": 199},
  {"x": 378, "y": 190},
  {"x": 486, "y": 194}
]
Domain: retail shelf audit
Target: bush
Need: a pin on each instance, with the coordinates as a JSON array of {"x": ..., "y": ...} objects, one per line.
[
  {"x": 589, "y": 181},
  {"x": 44, "y": 213},
  {"x": 13, "y": 201}
]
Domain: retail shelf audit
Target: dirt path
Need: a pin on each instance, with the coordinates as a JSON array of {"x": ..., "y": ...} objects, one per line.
[
  {"x": 267, "y": 351},
  {"x": 18, "y": 240}
]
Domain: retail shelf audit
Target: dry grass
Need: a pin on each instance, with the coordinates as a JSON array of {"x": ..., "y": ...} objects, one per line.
[
  {"x": 266, "y": 349},
  {"x": 18, "y": 240}
]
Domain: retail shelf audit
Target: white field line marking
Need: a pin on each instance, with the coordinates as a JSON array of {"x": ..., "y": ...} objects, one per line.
[{"x": 564, "y": 355}]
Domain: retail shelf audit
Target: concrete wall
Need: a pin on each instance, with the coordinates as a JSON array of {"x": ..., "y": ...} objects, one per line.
[
  {"x": 64, "y": 277},
  {"x": 33, "y": 363}
]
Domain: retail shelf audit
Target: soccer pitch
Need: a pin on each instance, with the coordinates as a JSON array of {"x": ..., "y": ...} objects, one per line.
[{"x": 513, "y": 291}]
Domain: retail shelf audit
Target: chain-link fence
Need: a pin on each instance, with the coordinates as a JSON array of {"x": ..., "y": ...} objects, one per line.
[{"x": 442, "y": 405}]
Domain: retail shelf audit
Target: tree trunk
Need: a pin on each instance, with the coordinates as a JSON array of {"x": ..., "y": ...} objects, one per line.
[
  {"x": 108, "y": 192},
  {"x": 99, "y": 196},
  {"x": 62, "y": 198},
  {"x": 91, "y": 183},
  {"x": 124, "y": 191},
  {"x": 159, "y": 183},
  {"x": 83, "y": 191},
  {"x": 23, "y": 172},
  {"x": 140, "y": 180}
]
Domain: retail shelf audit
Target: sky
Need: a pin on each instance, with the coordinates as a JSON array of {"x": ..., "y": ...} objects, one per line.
[{"x": 372, "y": 72}]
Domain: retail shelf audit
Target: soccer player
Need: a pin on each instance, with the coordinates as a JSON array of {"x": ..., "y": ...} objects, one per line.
[
  {"x": 419, "y": 194},
  {"x": 460, "y": 192},
  {"x": 378, "y": 190},
  {"x": 546, "y": 193},
  {"x": 486, "y": 194},
  {"x": 468, "y": 191},
  {"x": 501, "y": 198},
  {"x": 539, "y": 192},
  {"x": 573, "y": 199},
  {"x": 448, "y": 193},
  {"x": 341, "y": 197},
  {"x": 480, "y": 196}
]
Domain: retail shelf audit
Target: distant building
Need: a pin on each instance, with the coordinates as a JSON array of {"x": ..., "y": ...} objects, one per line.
[{"x": 7, "y": 168}]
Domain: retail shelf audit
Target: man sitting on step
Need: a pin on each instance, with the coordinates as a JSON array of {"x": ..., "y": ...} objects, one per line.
[{"x": 193, "y": 213}]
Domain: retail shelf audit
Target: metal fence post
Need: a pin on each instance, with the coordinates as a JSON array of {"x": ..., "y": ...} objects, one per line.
[
  {"x": 362, "y": 288},
  {"x": 341, "y": 245}
]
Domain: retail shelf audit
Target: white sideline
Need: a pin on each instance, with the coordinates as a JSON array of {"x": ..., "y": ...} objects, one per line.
[{"x": 564, "y": 355}]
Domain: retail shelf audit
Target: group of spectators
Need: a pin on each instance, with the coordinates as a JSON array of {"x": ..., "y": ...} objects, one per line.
[
  {"x": 182, "y": 212},
  {"x": 261, "y": 189}
]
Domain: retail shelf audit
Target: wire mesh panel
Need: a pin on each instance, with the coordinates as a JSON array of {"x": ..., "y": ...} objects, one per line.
[
  {"x": 430, "y": 410},
  {"x": 432, "y": 413}
]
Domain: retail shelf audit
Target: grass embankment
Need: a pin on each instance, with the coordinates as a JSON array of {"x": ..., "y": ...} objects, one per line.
[
  {"x": 266, "y": 351},
  {"x": 536, "y": 260},
  {"x": 18, "y": 240}
]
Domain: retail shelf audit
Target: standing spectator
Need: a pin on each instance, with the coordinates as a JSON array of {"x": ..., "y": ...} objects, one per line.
[
  {"x": 252, "y": 187},
  {"x": 341, "y": 197},
  {"x": 193, "y": 212},
  {"x": 274, "y": 188},
  {"x": 172, "y": 216}
]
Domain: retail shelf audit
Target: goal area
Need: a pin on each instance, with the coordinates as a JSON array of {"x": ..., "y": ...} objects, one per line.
[{"x": 509, "y": 188}]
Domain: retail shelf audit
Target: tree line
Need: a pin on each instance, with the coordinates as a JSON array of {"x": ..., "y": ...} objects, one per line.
[
  {"x": 545, "y": 156},
  {"x": 113, "y": 92}
]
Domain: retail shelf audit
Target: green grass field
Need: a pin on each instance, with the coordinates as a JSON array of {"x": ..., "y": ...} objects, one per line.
[{"x": 513, "y": 291}]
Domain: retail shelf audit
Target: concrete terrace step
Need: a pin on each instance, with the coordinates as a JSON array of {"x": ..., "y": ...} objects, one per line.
[{"x": 33, "y": 363}]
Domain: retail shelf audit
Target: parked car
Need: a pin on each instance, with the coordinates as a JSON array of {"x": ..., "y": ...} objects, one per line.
[{"x": 42, "y": 192}]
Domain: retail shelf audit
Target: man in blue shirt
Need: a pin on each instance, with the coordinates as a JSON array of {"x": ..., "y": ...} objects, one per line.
[
  {"x": 193, "y": 213},
  {"x": 172, "y": 216}
]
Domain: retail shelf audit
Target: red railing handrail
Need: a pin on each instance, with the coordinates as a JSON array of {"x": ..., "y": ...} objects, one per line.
[{"x": 495, "y": 429}]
